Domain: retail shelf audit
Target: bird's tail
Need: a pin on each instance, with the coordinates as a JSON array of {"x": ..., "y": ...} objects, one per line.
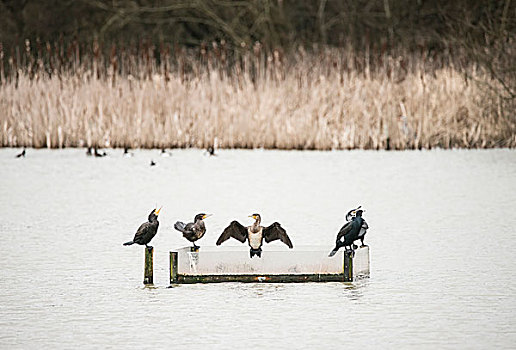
[
  {"x": 129, "y": 243},
  {"x": 180, "y": 226},
  {"x": 334, "y": 251}
]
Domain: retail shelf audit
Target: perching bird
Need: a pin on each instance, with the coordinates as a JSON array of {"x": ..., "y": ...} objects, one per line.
[
  {"x": 147, "y": 230},
  {"x": 350, "y": 216},
  {"x": 22, "y": 154},
  {"x": 193, "y": 231},
  {"x": 255, "y": 234},
  {"x": 351, "y": 232}
]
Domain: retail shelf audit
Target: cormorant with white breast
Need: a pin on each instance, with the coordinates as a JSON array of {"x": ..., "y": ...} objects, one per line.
[
  {"x": 147, "y": 230},
  {"x": 193, "y": 231},
  {"x": 351, "y": 231},
  {"x": 255, "y": 234}
]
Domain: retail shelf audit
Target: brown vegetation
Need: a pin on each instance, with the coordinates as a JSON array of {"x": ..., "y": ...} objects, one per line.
[{"x": 330, "y": 99}]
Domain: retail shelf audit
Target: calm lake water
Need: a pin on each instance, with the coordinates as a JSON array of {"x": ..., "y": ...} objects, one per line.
[{"x": 442, "y": 237}]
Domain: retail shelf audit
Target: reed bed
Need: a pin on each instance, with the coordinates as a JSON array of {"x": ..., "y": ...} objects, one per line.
[{"x": 329, "y": 99}]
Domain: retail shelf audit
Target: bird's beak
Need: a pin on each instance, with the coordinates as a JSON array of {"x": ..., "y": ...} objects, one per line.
[
  {"x": 252, "y": 216},
  {"x": 206, "y": 216},
  {"x": 157, "y": 211}
]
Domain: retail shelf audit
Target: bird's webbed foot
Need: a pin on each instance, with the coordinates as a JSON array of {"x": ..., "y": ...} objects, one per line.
[
  {"x": 149, "y": 247},
  {"x": 364, "y": 245}
]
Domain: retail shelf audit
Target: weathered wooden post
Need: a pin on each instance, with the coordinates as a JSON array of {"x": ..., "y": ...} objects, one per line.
[
  {"x": 348, "y": 266},
  {"x": 173, "y": 267},
  {"x": 149, "y": 266}
]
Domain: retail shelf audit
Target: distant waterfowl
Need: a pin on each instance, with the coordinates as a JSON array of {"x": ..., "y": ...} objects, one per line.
[
  {"x": 127, "y": 154},
  {"x": 255, "y": 234},
  {"x": 350, "y": 232},
  {"x": 22, "y": 154},
  {"x": 147, "y": 230},
  {"x": 153, "y": 163},
  {"x": 165, "y": 153},
  {"x": 98, "y": 154},
  {"x": 193, "y": 231},
  {"x": 211, "y": 151}
]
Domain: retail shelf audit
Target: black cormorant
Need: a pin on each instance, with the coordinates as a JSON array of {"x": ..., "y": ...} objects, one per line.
[
  {"x": 22, "y": 154},
  {"x": 255, "y": 234},
  {"x": 351, "y": 214},
  {"x": 351, "y": 232},
  {"x": 193, "y": 231},
  {"x": 147, "y": 230}
]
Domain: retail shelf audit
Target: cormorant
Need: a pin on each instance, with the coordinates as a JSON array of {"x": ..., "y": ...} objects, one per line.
[
  {"x": 255, "y": 234},
  {"x": 147, "y": 230},
  {"x": 351, "y": 232},
  {"x": 22, "y": 154},
  {"x": 152, "y": 163},
  {"x": 193, "y": 231},
  {"x": 350, "y": 216}
]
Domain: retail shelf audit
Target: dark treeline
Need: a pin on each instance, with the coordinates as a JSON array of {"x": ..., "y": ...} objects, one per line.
[
  {"x": 484, "y": 30},
  {"x": 273, "y": 23}
]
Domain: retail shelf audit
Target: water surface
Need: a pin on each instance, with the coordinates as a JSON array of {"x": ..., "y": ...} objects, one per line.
[{"x": 442, "y": 249}]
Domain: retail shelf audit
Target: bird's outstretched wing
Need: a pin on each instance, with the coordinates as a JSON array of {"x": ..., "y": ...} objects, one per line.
[
  {"x": 235, "y": 230},
  {"x": 344, "y": 230},
  {"x": 274, "y": 232}
]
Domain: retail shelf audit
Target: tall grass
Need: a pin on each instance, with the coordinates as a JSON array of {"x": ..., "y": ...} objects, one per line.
[{"x": 328, "y": 99}]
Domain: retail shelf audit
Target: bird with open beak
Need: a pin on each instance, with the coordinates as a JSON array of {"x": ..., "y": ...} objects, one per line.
[
  {"x": 193, "y": 231},
  {"x": 147, "y": 230}
]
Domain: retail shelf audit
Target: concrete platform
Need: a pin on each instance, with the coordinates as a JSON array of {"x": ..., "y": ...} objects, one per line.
[{"x": 277, "y": 265}]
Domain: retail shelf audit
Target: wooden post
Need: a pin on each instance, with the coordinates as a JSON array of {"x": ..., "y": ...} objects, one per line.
[
  {"x": 149, "y": 266},
  {"x": 348, "y": 266},
  {"x": 173, "y": 267}
]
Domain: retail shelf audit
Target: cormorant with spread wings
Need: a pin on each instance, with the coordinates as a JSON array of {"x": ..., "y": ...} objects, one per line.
[{"x": 255, "y": 234}]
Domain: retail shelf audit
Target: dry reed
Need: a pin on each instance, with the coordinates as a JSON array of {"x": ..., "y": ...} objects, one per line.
[{"x": 332, "y": 99}]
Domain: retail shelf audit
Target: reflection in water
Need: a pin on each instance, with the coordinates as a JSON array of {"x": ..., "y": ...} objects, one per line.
[
  {"x": 355, "y": 290},
  {"x": 67, "y": 282}
]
